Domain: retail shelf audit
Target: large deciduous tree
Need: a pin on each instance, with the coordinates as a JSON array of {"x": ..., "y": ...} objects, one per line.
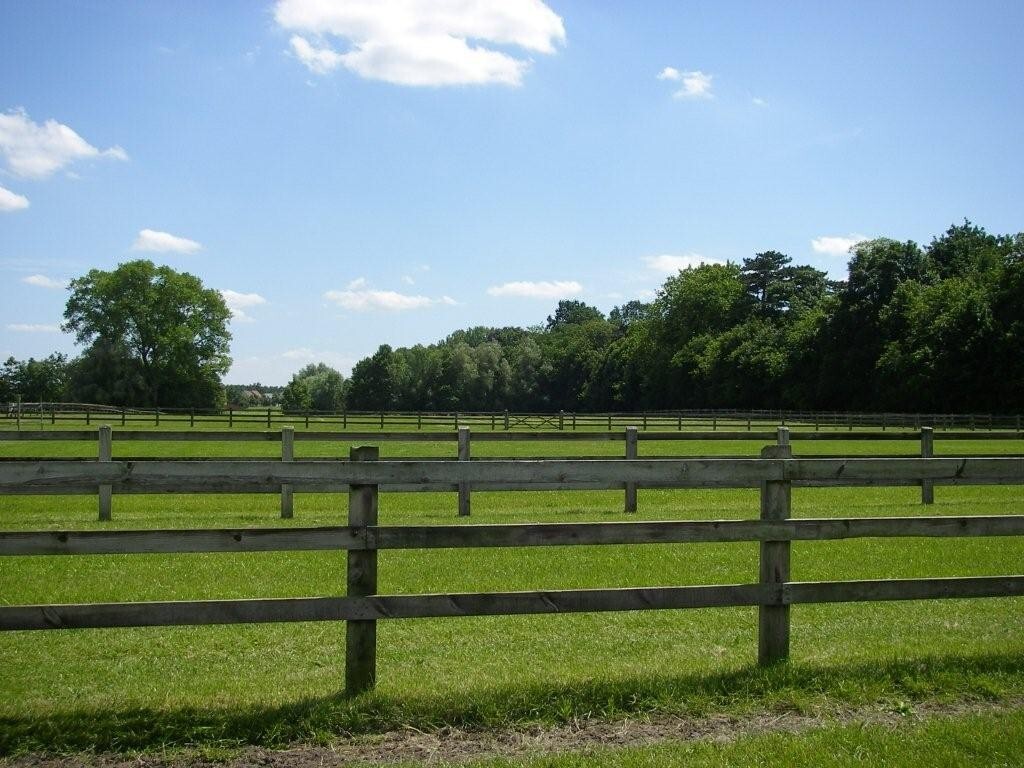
[{"x": 170, "y": 328}]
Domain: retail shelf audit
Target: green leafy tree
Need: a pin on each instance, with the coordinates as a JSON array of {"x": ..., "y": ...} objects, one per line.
[
  {"x": 167, "y": 322},
  {"x": 34, "y": 381},
  {"x": 316, "y": 387},
  {"x": 372, "y": 386}
]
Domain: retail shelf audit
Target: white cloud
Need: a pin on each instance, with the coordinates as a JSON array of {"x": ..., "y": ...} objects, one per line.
[
  {"x": 757, "y": 101},
  {"x": 836, "y": 246},
  {"x": 444, "y": 42},
  {"x": 10, "y": 201},
  {"x": 32, "y": 328},
  {"x": 391, "y": 301},
  {"x": 407, "y": 279},
  {"x": 694, "y": 84},
  {"x": 164, "y": 242},
  {"x": 669, "y": 264},
  {"x": 35, "y": 151},
  {"x": 42, "y": 281},
  {"x": 542, "y": 289},
  {"x": 239, "y": 302},
  {"x": 355, "y": 285}
]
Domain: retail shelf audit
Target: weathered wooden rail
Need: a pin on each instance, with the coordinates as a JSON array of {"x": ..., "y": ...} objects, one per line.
[
  {"x": 678, "y": 419},
  {"x": 775, "y": 473},
  {"x": 632, "y": 436}
]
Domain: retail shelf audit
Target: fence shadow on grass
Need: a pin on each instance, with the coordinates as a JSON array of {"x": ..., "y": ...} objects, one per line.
[{"x": 784, "y": 687}]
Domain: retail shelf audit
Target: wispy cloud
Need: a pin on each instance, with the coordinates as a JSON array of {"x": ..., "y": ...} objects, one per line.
[
  {"x": 836, "y": 246},
  {"x": 670, "y": 264},
  {"x": 542, "y": 289},
  {"x": 164, "y": 242},
  {"x": 42, "y": 281},
  {"x": 757, "y": 101},
  {"x": 693, "y": 84},
  {"x": 36, "y": 151},
  {"x": 444, "y": 42},
  {"x": 11, "y": 201},
  {"x": 366, "y": 300},
  {"x": 32, "y": 328},
  {"x": 239, "y": 302}
]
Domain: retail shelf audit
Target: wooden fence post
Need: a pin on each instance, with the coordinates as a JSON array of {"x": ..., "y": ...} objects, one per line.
[
  {"x": 561, "y": 420},
  {"x": 191, "y": 417},
  {"x": 268, "y": 418},
  {"x": 464, "y": 456},
  {"x": 361, "y": 635},
  {"x": 506, "y": 419},
  {"x": 105, "y": 454},
  {"x": 307, "y": 418},
  {"x": 773, "y": 620},
  {"x": 631, "y": 453},
  {"x": 287, "y": 454},
  {"x": 927, "y": 451},
  {"x": 156, "y": 409},
  {"x": 231, "y": 417}
]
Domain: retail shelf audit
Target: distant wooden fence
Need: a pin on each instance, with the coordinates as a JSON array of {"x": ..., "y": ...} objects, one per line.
[
  {"x": 693, "y": 418},
  {"x": 104, "y": 436},
  {"x": 363, "y": 476}
]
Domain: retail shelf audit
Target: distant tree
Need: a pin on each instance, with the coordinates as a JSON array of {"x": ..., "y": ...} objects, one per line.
[
  {"x": 966, "y": 250},
  {"x": 167, "y": 322},
  {"x": 572, "y": 312},
  {"x": 34, "y": 380},
  {"x": 106, "y": 373},
  {"x": 316, "y": 387},
  {"x": 372, "y": 386}
]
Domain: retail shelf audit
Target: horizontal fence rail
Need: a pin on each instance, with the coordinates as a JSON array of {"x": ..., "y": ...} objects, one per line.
[
  {"x": 52, "y": 413},
  {"x": 285, "y": 609},
  {"x": 364, "y": 475},
  {"x": 501, "y": 535},
  {"x": 61, "y": 477}
]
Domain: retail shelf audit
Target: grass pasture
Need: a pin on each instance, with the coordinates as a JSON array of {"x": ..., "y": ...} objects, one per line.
[{"x": 212, "y": 687}]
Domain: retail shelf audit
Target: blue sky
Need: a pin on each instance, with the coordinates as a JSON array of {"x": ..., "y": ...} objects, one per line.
[{"x": 353, "y": 174}]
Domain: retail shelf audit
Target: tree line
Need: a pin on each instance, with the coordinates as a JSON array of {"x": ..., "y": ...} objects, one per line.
[{"x": 935, "y": 328}]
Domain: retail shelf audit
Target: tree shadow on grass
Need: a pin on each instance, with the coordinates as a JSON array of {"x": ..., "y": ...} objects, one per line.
[{"x": 783, "y": 688}]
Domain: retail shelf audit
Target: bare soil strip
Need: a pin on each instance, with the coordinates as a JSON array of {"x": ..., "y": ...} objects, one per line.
[{"x": 456, "y": 746}]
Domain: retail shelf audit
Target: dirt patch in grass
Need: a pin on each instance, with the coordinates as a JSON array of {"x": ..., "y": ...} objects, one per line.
[{"x": 452, "y": 745}]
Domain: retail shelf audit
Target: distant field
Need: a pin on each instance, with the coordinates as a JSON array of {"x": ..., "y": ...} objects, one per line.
[{"x": 273, "y": 684}]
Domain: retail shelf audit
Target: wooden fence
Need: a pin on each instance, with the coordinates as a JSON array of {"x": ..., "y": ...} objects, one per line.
[
  {"x": 631, "y": 436},
  {"x": 29, "y": 414},
  {"x": 363, "y": 476}
]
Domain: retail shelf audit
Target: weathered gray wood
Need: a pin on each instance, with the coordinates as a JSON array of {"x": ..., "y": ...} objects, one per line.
[
  {"x": 782, "y": 438},
  {"x": 160, "y": 476},
  {"x": 927, "y": 451},
  {"x": 903, "y": 589},
  {"x": 500, "y": 535},
  {"x": 287, "y": 454},
  {"x": 361, "y": 634},
  {"x": 631, "y": 454},
  {"x": 98, "y": 615},
  {"x": 357, "y": 610},
  {"x": 105, "y": 454},
  {"x": 464, "y": 455},
  {"x": 181, "y": 541},
  {"x": 773, "y": 620}
]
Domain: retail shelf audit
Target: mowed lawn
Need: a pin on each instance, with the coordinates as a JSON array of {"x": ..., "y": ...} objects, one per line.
[{"x": 273, "y": 684}]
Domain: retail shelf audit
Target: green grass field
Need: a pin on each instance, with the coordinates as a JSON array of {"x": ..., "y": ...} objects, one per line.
[{"x": 156, "y": 688}]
